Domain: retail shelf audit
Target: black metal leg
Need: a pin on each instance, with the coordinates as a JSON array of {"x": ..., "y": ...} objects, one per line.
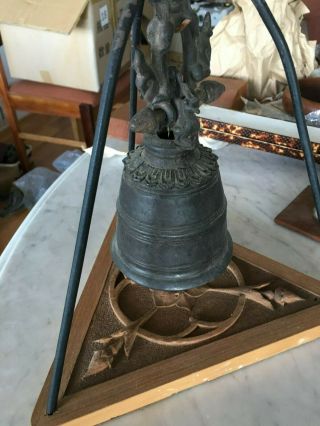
[
  {"x": 136, "y": 35},
  {"x": 116, "y": 55},
  {"x": 288, "y": 65}
]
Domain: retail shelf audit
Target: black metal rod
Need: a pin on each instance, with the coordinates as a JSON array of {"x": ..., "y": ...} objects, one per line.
[
  {"x": 105, "y": 108},
  {"x": 285, "y": 55},
  {"x": 135, "y": 41}
]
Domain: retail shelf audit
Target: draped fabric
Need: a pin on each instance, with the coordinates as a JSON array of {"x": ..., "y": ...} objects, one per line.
[{"x": 243, "y": 48}]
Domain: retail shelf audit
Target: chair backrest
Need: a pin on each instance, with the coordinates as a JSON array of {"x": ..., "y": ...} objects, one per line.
[{"x": 4, "y": 86}]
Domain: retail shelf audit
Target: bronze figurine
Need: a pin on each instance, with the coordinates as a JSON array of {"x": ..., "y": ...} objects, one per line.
[{"x": 172, "y": 231}]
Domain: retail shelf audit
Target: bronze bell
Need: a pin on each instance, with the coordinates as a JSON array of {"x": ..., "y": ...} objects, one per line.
[{"x": 172, "y": 230}]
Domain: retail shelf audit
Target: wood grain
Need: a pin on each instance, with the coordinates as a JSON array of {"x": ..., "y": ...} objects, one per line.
[
  {"x": 157, "y": 382},
  {"x": 81, "y": 321},
  {"x": 299, "y": 216},
  {"x": 45, "y": 106},
  {"x": 49, "y": 139},
  {"x": 153, "y": 383}
]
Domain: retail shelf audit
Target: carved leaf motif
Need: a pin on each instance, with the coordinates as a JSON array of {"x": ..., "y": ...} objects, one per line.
[
  {"x": 183, "y": 300},
  {"x": 103, "y": 359},
  {"x": 282, "y": 297},
  {"x": 269, "y": 299},
  {"x": 110, "y": 347},
  {"x": 99, "y": 362},
  {"x": 164, "y": 298},
  {"x": 249, "y": 292}
]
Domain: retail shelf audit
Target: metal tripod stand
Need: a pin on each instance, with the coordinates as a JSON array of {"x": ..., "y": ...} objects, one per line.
[{"x": 131, "y": 18}]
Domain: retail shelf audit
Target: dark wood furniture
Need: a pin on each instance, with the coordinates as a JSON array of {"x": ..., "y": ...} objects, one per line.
[
  {"x": 299, "y": 216},
  {"x": 313, "y": 19},
  {"x": 310, "y": 95}
]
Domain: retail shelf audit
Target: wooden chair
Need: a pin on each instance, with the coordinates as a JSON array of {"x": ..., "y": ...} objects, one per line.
[{"x": 47, "y": 99}]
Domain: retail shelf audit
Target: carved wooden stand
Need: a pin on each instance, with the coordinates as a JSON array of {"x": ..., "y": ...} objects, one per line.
[
  {"x": 130, "y": 346},
  {"x": 299, "y": 216}
]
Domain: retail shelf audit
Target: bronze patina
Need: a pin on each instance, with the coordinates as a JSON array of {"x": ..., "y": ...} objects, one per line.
[{"x": 172, "y": 231}]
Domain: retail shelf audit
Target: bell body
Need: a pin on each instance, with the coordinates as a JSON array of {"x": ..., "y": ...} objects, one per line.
[{"x": 171, "y": 217}]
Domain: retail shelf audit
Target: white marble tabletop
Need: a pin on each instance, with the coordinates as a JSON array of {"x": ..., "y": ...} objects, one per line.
[{"x": 34, "y": 269}]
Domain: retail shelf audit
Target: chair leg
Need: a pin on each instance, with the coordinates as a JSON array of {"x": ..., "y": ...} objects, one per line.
[
  {"x": 12, "y": 121},
  {"x": 88, "y": 125},
  {"x": 19, "y": 144}
]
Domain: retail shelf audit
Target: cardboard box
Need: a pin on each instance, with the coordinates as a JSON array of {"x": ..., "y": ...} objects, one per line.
[{"x": 60, "y": 42}]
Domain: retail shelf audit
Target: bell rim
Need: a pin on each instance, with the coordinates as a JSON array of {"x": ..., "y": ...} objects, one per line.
[{"x": 182, "y": 281}]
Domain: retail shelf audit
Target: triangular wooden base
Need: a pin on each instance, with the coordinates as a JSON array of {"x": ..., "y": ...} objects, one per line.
[{"x": 295, "y": 319}]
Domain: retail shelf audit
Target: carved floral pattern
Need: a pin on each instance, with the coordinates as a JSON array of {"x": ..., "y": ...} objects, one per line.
[
  {"x": 193, "y": 175},
  {"x": 107, "y": 349}
]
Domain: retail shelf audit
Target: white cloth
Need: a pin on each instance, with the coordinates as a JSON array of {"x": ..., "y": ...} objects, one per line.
[{"x": 243, "y": 48}]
